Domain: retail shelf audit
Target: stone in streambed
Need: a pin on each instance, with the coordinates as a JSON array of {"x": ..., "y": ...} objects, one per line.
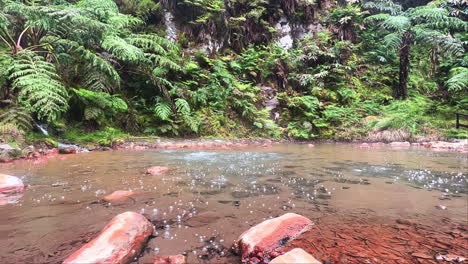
[
  {"x": 178, "y": 259},
  {"x": 120, "y": 241},
  {"x": 10, "y": 184},
  {"x": 294, "y": 256},
  {"x": 272, "y": 234},
  {"x": 118, "y": 196},
  {"x": 157, "y": 170}
]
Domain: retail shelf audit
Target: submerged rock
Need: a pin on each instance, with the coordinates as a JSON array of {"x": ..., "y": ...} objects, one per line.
[
  {"x": 177, "y": 259},
  {"x": 157, "y": 170},
  {"x": 118, "y": 196},
  {"x": 297, "y": 255},
  {"x": 272, "y": 234},
  {"x": 10, "y": 184},
  {"x": 120, "y": 241}
]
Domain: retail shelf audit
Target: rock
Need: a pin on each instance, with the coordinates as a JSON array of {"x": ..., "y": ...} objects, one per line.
[
  {"x": 67, "y": 150},
  {"x": 441, "y": 207},
  {"x": 272, "y": 234},
  {"x": 310, "y": 145},
  {"x": 364, "y": 145},
  {"x": 8, "y": 152},
  {"x": 400, "y": 144},
  {"x": 120, "y": 241},
  {"x": 297, "y": 255},
  {"x": 10, "y": 184},
  {"x": 451, "y": 258},
  {"x": 461, "y": 146},
  {"x": 157, "y": 170},
  {"x": 177, "y": 259},
  {"x": 118, "y": 196}
]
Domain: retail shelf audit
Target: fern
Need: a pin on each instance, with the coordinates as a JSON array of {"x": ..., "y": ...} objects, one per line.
[
  {"x": 40, "y": 88},
  {"x": 459, "y": 81},
  {"x": 123, "y": 50},
  {"x": 163, "y": 110},
  {"x": 18, "y": 117},
  {"x": 182, "y": 106}
]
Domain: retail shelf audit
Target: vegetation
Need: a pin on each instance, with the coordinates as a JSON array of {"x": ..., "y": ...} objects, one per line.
[{"x": 97, "y": 70}]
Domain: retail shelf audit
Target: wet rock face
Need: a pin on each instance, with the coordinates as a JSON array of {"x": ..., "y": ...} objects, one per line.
[
  {"x": 119, "y": 242},
  {"x": 296, "y": 255},
  {"x": 118, "y": 196},
  {"x": 157, "y": 170},
  {"x": 178, "y": 259},
  {"x": 10, "y": 184},
  {"x": 272, "y": 234}
]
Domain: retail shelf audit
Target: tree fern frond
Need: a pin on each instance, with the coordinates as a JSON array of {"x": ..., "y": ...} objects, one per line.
[
  {"x": 19, "y": 117},
  {"x": 383, "y": 6},
  {"x": 459, "y": 81},
  {"x": 396, "y": 23},
  {"x": 393, "y": 40},
  {"x": 123, "y": 50},
  {"x": 448, "y": 44},
  {"x": 97, "y": 63},
  {"x": 163, "y": 110},
  {"x": 40, "y": 88},
  {"x": 182, "y": 106}
]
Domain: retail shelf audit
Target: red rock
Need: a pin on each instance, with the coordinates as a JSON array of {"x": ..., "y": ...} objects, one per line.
[
  {"x": 69, "y": 150},
  {"x": 296, "y": 255},
  {"x": 273, "y": 233},
  {"x": 120, "y": 241},
  {"x": 157, "y": 170},
  {"x": 118, "y": 196},
  {"x": 10, "y": 184},
  {"x": 178, "y": 259},
  {"x": 400, "y": 144}
]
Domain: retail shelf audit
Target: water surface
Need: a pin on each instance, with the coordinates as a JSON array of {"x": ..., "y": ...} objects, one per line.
[{"x": 210, "y": 197}]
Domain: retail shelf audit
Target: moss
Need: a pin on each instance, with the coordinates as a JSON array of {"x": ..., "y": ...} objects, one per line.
[{"x": 106, "y": 136}]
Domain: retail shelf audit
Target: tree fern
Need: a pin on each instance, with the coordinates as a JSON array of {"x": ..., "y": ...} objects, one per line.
[
  {"x": 182, "y": 106},
  {"x": 40, "y": 88}
]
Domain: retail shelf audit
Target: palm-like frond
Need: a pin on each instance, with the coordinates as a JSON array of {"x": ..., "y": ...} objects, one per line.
[
  {"x": 19, "y": 117},
  {"x": 40, "y": 88},
  {"x": 163, "y": 110},
  {"x": 383, "y": 6},
  {"x": 459, "y": 81},
  {"x": 123, "y": 50},
  {"x": 396, "y": 23},
  {"x": 437, "y": 18},
  {"x": 447, "y": 44},
  {"x": 393, "y": 40}
]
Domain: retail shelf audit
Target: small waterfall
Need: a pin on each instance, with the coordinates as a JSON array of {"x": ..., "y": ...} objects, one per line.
[
  {"x": 42, "y": 129},
  {"x": 171, "y": 28},
  {"x": 285, "y": 32}
]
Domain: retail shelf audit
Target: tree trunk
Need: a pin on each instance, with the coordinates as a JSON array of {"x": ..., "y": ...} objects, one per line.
[{"x": 402, "y": 90}]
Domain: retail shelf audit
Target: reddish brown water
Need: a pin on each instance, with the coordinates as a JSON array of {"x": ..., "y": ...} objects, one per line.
[{"x": 210, "y": 197}]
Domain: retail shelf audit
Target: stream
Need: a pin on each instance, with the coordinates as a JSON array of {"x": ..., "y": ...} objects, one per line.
[{"x": 209, "y": 197}]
